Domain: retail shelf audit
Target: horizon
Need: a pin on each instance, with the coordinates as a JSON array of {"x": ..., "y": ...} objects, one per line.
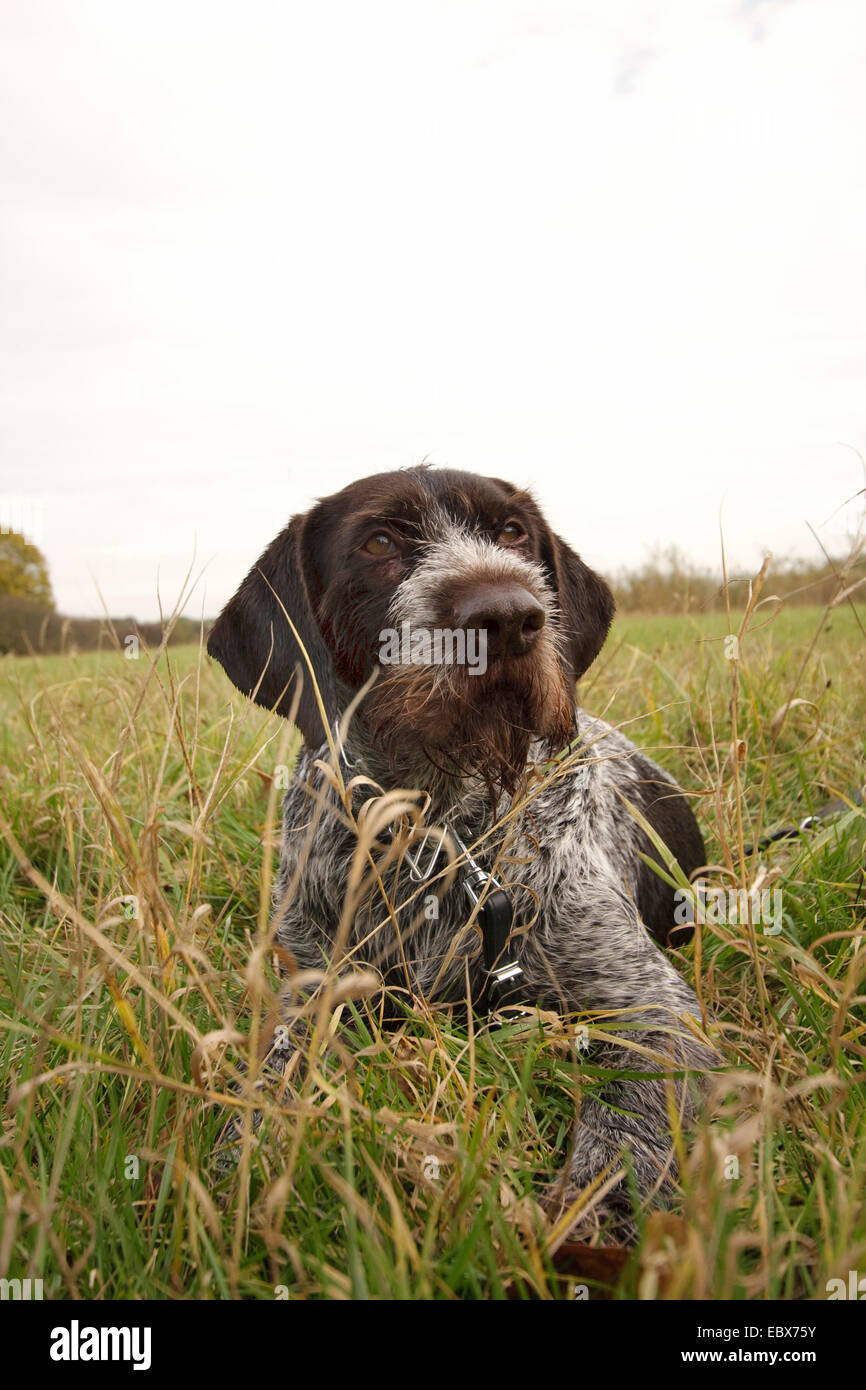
[{"x": 659, "y": 567}]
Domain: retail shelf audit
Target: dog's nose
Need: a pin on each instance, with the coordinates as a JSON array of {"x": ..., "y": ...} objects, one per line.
[{"x": 509, "y": 615}]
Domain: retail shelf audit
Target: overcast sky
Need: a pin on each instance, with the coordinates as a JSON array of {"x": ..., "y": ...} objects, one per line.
[{"x": 251, "y": 251}]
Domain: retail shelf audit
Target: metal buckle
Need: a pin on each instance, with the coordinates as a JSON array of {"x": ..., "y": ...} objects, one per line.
[
  {"x": 477, "y": 879},
  {"x": 504, "y": 974}
]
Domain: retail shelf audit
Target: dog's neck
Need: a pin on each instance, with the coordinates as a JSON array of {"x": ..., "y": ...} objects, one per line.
[{"x": 469, "y": 801}]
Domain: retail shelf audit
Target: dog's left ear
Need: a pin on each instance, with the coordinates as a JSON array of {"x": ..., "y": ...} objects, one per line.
[{"x": 586, "y": 605}]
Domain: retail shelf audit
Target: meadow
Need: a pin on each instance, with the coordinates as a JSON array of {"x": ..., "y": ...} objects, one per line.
[{"x": 139, "y": 812}]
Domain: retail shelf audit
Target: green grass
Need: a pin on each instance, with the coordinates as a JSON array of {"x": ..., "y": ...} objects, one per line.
[{"x": 139, "y": 816}]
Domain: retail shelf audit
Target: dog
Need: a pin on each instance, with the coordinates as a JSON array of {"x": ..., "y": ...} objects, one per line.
[{"x": 535, "y": 801}]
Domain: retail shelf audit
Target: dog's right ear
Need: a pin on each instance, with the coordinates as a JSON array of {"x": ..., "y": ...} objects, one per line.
[
  {"x": 256, "y": 647},
  {"x": 586, "y": 604}
]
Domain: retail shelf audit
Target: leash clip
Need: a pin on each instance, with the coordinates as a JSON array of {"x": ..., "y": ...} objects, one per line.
[{"x": 417, "y": 872}]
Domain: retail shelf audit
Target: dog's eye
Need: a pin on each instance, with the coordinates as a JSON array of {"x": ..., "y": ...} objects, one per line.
[
  {"x": 379, "y": 544},
  {"x": 512, "y": 533}
]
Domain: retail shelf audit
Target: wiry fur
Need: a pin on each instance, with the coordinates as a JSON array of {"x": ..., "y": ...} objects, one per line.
[
  {"x": 457, "y": 734},
  {"x": 560, "y": 837}
]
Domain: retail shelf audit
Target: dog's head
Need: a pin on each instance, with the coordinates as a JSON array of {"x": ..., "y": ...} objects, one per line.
[{"x": 480, "y": 618}]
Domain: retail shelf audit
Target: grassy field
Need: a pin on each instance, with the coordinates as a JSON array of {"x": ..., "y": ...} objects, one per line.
[{"x": 139, "y": 821}]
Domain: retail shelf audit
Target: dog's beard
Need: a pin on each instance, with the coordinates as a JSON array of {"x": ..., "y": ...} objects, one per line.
[{"x": 471, "y": 726}]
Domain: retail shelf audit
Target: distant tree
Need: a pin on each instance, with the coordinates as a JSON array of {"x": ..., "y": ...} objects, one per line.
[{"x": 23, "y": 570}]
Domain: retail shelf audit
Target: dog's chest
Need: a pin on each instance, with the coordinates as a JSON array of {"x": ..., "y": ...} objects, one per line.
[{"x": 398, "y": 921}]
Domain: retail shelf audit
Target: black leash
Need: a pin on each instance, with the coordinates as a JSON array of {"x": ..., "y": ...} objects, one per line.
[
  {"x": 495, "y": 910},
  {"x": 836, "y": 807},
  {"x": 496, "y": 916}
]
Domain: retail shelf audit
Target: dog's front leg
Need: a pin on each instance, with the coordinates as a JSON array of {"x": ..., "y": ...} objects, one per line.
[{"x": 598, "y": 957}]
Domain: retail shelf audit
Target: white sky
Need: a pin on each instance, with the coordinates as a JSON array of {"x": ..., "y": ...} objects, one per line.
[{"x": 251, "y": 251}]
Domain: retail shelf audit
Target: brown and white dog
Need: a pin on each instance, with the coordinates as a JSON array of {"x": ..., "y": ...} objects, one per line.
[{"x": 534, "y": 787}]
